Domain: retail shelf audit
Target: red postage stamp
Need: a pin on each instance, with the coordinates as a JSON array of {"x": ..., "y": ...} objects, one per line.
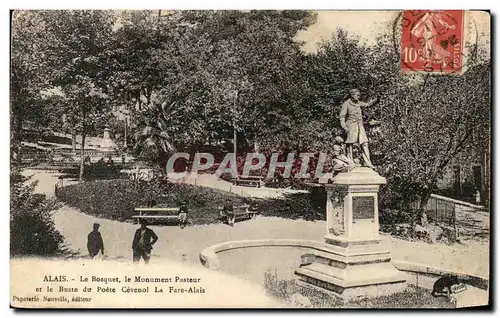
[{"x": 432, "y": 41}]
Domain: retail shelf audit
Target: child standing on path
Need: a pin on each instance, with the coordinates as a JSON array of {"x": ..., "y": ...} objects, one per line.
[{"x": 183, "y": 211}]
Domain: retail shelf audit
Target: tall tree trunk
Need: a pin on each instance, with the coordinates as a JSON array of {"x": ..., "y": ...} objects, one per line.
[
  {"x": 139, "y": 100},
  {"x": 73, "y": 140},
  {"x": 18, "y": 137},
  {"x": 422, "y": 214},
  {"x": 235, "y": 137},
  {"x": 125, "y": 144},
  {"x": 256, "y": 147},
  {"x": 82, "y": 156},
  {"x": 19, "y": 128},
  {"x": 235, "y": 131}
]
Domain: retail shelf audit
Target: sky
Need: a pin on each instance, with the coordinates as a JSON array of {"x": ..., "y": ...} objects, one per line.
[{"x": 368, "y": 24}]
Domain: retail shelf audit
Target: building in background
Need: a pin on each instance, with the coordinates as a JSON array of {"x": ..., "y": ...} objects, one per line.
[{"x": 468, "y": 176}]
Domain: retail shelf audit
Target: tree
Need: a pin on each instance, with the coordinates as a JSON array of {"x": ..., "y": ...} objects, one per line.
[
  {"x": 324, "y": 79},
  {"x": 426, "y": 124},
  {"x": 215, "y": 72},
  {"x": 426, "y": 120},
  {"x": 153, "y": 142},
  {"x": 31, "y": 226},
  {"x": 87, "y": 108},
  {"x": 131, "y": 69},
  {"x": 79, "y": 48},
  {"x": 152, "y": 70},
  {"x": 250, "y": 69},
  {"x": 29, "y": 72}
]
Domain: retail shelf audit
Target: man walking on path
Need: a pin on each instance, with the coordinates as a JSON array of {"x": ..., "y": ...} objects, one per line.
[
  {"x": 143, "y": 242},
  {"x": 94, "y": 242},
  {"x": 351, "y": 120}
]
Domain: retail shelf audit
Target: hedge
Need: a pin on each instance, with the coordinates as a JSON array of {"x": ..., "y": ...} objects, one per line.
[
  {"x": 32, "y": 230},
  {"x": 308, "y": 206},
  {"x": 116, "y": 199}
]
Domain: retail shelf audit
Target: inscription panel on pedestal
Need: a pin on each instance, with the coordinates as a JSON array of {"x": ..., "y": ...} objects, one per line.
[{"x": 363, "y": 207}]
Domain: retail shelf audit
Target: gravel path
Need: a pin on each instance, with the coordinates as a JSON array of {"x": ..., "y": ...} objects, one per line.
[{"x": 472, "y": 256}]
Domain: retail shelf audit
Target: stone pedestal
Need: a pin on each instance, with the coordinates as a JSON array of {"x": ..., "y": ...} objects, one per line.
[
  {"x": 107, "y": 144},
  {"x": 353, "y": 263}
]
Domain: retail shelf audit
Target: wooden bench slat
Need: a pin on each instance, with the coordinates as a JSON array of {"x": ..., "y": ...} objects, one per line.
[
  {"x": 249, "y": 181},
  {"x": 155, "y": 216},
  {"x": 157, "y": 209},
  {"x": 156, "y": 213},
  {"x": 240, "y": 211}
]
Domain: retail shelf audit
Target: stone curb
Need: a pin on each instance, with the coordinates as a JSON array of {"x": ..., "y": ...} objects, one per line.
[
  {"x": 473, "y": 280},
  {"x": 209, "y": 258}
]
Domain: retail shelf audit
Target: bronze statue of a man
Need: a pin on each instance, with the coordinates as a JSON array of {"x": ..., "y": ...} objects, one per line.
[{"x": 351, "y": 120}]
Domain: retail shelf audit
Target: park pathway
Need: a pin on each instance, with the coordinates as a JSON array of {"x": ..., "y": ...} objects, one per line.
[
  {"x": 184, "y": 245},
  {"x": 212, "y": 181},
  {"x": 472, "y": 256}
]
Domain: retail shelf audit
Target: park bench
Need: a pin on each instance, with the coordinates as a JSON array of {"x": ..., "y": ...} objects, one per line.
[
  {"x": 240, "y": 212},
  {"x": 256, "y": 182},
  {"x": 156, "y": 215}
]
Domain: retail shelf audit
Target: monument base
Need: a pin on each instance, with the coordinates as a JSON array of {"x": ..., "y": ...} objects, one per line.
[
  {"x": 356, "y": 293},
  {"x": 352, "y": 263},
  {"x": 360, "y": 269}
]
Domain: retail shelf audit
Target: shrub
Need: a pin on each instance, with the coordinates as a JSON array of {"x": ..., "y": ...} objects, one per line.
[
  {"x": 116, "y": 199},
  {"x": 32, "y": 230},
  {"x": 98, "y": 171},
  {"x": 308, "y": 206},
  {"x": 396, "y": 216},
  {"x": 95, "y": 171}
]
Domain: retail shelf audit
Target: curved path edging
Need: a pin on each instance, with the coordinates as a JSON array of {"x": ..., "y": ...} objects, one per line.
[
  {"x": 412, "y": 267},
  {"x": 209, "y": 258}
]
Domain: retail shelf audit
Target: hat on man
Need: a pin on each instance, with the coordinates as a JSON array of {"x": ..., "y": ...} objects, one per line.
[{"x": 354, "y": 91}]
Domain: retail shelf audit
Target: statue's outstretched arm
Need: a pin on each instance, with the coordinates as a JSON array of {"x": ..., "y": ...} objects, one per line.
[{"x": 372, "y": 102}]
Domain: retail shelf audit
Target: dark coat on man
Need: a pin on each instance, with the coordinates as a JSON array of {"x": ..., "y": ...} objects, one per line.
[
  {"x": 228, "y": 209},
  {"x": 94, "y": 243},
  {"x": 183, "y": 209},
  {"x": 149, "y": 239}
]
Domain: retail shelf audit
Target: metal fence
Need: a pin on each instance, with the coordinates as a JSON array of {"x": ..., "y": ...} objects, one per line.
[
  {"x": 442, "y": 210},
  {"x": 439, "y": 210}
]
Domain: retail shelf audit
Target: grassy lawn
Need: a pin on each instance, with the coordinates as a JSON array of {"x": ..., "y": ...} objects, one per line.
[
  {"x": 116, "y": 199},
  {"x": 413, "y": 297}
]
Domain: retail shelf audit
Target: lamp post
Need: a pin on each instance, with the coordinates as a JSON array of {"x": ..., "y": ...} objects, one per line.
[
  {"x": 235, "y": 131},
  {"x": 125, "y": 113},
  {"x": 125, "y": 145}
]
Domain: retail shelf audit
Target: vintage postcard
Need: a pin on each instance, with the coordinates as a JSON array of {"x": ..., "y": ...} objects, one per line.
[{"x": 250, "y": 159}]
